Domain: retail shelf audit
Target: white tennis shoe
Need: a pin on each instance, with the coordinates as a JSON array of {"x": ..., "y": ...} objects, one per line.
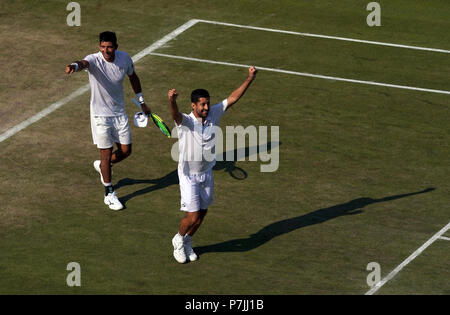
[
  {"x": 188, "y": 248},
  {"x": 113, "y": 202},
  {"x": 97, "y": 168},
  {"x": 178, "y": 249}
]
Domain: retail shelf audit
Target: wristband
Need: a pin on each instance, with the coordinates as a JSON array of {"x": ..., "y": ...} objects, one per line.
[
  {"x": 140, "y": 98},
  {"x": 75, "y": 64}
]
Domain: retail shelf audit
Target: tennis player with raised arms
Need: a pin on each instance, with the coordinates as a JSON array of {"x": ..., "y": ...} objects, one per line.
[
  {"x": 109, "y": 121},
  {"x": 197, "y": 139}
]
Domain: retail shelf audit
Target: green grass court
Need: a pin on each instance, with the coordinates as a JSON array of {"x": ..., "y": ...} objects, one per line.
[{"x": 363, "y": 169}]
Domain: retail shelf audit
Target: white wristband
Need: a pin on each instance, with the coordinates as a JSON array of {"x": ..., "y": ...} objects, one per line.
[
  {"x": 75, "y": 64},
  {"x": 140, "y": 98}
]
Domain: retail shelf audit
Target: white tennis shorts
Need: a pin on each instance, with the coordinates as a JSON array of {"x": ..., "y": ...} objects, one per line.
[
  {"x": 197, "y": 191},
  {"x": 109, "y": 130}
]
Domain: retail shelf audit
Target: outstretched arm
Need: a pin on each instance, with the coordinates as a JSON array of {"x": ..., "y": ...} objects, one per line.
[
  {"x": 174, "y": 112},
  {"x": 237, "y": 94},
  {"x": 77, "y": 66}
]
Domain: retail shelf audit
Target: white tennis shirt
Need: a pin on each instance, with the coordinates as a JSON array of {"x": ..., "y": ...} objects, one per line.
[
  {"x": 106, "y": 80},
  {"x": 197, "y": 141}
]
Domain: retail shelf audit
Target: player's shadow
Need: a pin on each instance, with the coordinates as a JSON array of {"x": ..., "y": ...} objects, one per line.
[
  {"x": 288, "y": 225},
  {"x": 172, "y": 177},
  {"x": 158, "y": 183},
  {"x": 229, "y": 164}
]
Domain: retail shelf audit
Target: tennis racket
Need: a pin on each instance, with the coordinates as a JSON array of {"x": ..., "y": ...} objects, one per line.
[{"x": 157, "y": 121}]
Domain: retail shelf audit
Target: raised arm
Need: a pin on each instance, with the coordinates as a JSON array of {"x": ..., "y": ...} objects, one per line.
[
  {"x": 237, "y": 94},
  {"x": 176, "y": 115},
  {"x": 77, "y": 66}
]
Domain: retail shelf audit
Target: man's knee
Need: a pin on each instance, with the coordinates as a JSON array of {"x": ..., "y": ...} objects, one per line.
[
  {"x": 128, "y": 151},
  {"x": 193, "y": 217},
  {"x": 125, "y": 150},
  {"x": 126, "y": 154}
]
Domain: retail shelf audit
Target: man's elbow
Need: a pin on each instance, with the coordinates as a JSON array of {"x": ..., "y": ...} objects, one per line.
[
  {"x": 133, "y": 77},
  {"x": 178, "y": 118},
  {"x": 231, "y": 101}
]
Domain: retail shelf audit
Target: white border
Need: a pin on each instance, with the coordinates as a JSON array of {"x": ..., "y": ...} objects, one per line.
[{"x": 149, "y": 50}]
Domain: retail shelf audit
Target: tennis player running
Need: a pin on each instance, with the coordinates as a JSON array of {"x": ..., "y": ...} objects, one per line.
[
  {"x": 196, "y": 143},
  {"x": 109, "y": 121}
]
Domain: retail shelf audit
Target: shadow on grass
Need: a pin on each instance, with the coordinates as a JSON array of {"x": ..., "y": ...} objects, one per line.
[
  {"x": 172, "y": 177},
  {"x": 285, "y": 226},
  {"x": 158, "y": 183}
]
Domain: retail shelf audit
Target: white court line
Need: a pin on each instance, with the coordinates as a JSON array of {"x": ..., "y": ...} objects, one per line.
[
  {"x": 408, "y": 260},
  {"x": 12, "y": 131},
  {"x": 304, "y": 74},
  {"x": 51, "y": 108},
  {"x": 326, "y": 36},
  {"x": 164, "y": 40}
]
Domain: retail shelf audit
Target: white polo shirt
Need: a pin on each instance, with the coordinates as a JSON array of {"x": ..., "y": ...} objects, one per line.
[
  {"x": 197, "y": 141},
  {"x": 106, "y": 80}
]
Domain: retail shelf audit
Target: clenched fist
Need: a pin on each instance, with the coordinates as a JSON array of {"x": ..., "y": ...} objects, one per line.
[
  {"x": 172, "y": 95},
  {"x": 252, "y": 72}
]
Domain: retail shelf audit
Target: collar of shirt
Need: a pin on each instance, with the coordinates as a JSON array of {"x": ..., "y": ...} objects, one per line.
[{"x": 199, "y": 120}]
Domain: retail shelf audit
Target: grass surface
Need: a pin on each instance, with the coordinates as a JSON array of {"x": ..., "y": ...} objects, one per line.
[{"x": 355, "y": 160}]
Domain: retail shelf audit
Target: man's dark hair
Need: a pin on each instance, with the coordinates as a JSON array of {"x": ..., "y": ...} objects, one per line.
[
  {"x": 198, "y": 93},
  {"x": 108, "y": 37}
]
